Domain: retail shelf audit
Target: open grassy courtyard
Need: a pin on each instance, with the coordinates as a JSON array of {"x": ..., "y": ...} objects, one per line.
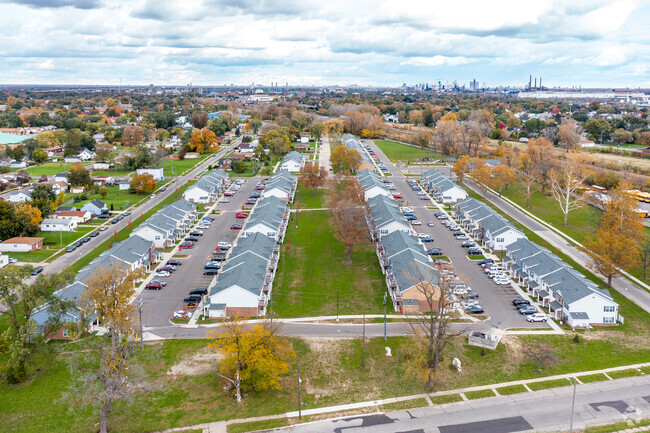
[{"x": 401, "y": 152}]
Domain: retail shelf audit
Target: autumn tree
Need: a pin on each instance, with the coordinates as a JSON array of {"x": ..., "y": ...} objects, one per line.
[
  {"x": 253, "y": 359},
  {"x": 277, "y": 142},
  {"x": 568, "y": 135},
  {"x": 20, "y": 299},
  {"x": 344, "y": 158},
  {"x": 540, "y": 152},
  {"x": 255, "y": 125},
  {"x": 446, "y": 137},
  {"x": 431, "y": 328},
  {"x": 528, "y": 176},
  {"x": 334, "y": 126},
  {"x": 143, "y": 183},
  {"x": 461, "y": 167},
  {"x": 502, "y": 176},
  {"x": 481, "y": 173},
  {"x": 132, "y": 135},
  {"x": 565, "y": 180},
  {"x": 103, "y": 152},
  {"x": 424, "y": 139},
  {"x": 29, "y": 218},
  {"x": 347, "y": 216},
  {"x": 312, "y": 176},
  {"x": 104, "y": 371},
  {"x": 43, "y": 197},
  {"x": 203, "y": 140},
  {"x": 316, "y": 130},
  {"x": 644, "y": 139},
  {"x": 617, "y": 245},
  {"x": 79, "y": 176},
  {"x": 39, "y": 156}
]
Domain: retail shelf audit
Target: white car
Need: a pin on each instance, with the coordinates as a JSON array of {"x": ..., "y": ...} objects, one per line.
[
  {"x": 180, "y": 314},
  {"x": 204, "y": 227},
  {"x": 423, "y": 235},
  {"x": 430, "y": 223},
  {"x": 224, "y": 245},
  {"x": 152, "y": 196},
  {"x": 162, "y": 274},
  {"x": 502, "y": 281},
  {"x": 224, "y": 200},
  {"x": 198, "y": 231},
  {"x": 416, "y": 223},
  {"x": 536, "y": 317}
]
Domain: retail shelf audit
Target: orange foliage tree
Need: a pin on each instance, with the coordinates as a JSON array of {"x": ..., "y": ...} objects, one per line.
[{"x": 203, "y": 140}]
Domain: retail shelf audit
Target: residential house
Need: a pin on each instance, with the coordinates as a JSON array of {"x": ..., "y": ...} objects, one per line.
[
  {"x": 567, "y": 294},
  {"x": 442, "y": 188},
  {"x": 61, "y": 177},
  {"x": 207, "y": 189},
  {"x": 269, "y": 217},
  {"x": 386, "y": 218},
  {"x": 305, "y": 137},
  {"x": 293, "y": 162},
  {"x": 101, "y": 166},
  {"x": 353, "y": 142},
  {"x": 57, "y": 187},
  {"x": 17, "y": 164},
  {"x": 58, "y": 225},
  {"x": 192, "y": 155},
  {"x": 301, "y": 147},
  {"x": 77, "y": 189},
  {"x": 86, "y": 155},
  {"x": 19, "y": 196},
  {"x": 21, "y": 244},
  {"x": 104, "y": 180},
  {"x": 4, "y": 260},
  {"x": 157, "y": 173},
  {"x": 372, "y": 184},
  {"x": 72, "y": 160},
  {"x": 123, "y": 185},
  {"x": 281, "y": 185},
  {"x": 77, "y": 215},
  {"x": 168, "y": 225},
  {"x": 96, "y": 207}
]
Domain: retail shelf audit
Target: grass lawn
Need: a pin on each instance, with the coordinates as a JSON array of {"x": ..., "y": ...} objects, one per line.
[
  {"x": 397, "y": 151},
  {"x": 33, "y": 256},
  {"x": 181, "y": 167},
  {"x": 257, "y": 425},
  {"x": 444, "y": 399},
  {"x": 617, "y": 427},
  {"x": 251, "y": 170},
  {"x": 53, "y": 239},
  {"x": 407, "y": 404},
  {"x": 536, "y": 386},
  {"x": 306, "y": 284},
  {"x": 306, "y": 200},
  {"x": 49, "y": 168},
  {"x": 473, "y": 395},
  {"x": 593, "y": 378},
  {"x": 509, "y": 390},
  {"x": 624, "y": 373},
  {"x": 116, "y": 197}
]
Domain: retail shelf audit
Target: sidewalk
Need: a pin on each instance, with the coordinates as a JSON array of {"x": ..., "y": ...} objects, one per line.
[{"x": 221, "y": 426}]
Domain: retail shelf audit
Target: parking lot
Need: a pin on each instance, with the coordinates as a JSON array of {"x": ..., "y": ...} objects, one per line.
[
  {"x": 495, "y": 299},
  {"x": 160, "y": 305}
]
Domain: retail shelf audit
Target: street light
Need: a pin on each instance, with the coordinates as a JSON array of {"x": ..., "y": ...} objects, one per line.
[{"x": 573, "y": 402}]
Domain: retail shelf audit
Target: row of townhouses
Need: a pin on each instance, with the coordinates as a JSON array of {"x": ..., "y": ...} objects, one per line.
[
  {"x": 168, "y": 225},
  {"x": 442, "y": 188},
  {"x": 281, "y": 185},
  {"x": 410, "y": 272},
  {"x": 245, "y": 282},
  {"x": 567, "y": 294},
  {"x": 486, "y": 225},
  {"x": 293, "y": 162},
  {"x": 207, "y": 189},
  {"x": 352, "y": 142}
]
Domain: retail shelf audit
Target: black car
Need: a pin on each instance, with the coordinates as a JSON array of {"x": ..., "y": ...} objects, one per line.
[
  {"x": 79, "y": 243},
  {"x": 219, "y": 258},
  {"x": 104, "y": 216},
  {"x": 37, "y": 270},
  {"x": 519, "y": 301},
  {"x": 86, "y": 239},
  {"x": 467, "y": 244},
  {"x": 114, "y": 221},
  {"x": 255, "y": 195},
  {"x": 474, "y": 251},
  {"x": 474, "y": 309},
  {"x": 174, "y": 262},
  {"x": 120, "y": 217},
  {"x": 434, "y": 251},
  {"x": 193, "y": 298},
  {"x": 71, "y": 248},
  {"x": 202, "y": 291},
  {"x": 471, "y": 295},
  {"x": 210, "y": 272},
  {"x": 190, "y": 239},
  {"x": 196, "y": 233},
  {"x": 168, "y": 268},
  {"x": 485, "y": 262},
  {"x": 93, "y": 234}
]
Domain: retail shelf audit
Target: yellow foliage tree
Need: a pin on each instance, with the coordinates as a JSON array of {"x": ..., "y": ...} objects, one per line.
[
  {"x": 334, "y": 126},
  {"x": 448, "y": 117},
  {"x": 253, "y": 358},
  {"x": 461, "y": 167},
  {"x": 203, "y": 140},
  {"x": 502, "y": 176},
  {"x": 143, "y": 183}
]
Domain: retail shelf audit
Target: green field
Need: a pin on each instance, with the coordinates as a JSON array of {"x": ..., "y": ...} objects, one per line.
[
  {"x": 49, "y": 168},
  {"x": 401, "y": 152},
  {"x": 52, "y": 239},
  {"x": 115, "y": 197},
  {"x": 306, "y": 200},
  {"x": 306, "y": 284},
  {"x": 181, "y": 166}
]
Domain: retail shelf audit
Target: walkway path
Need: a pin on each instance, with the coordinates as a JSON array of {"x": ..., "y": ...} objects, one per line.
[
  {"x": 633, "y": 292},
  {"x": 324, "y": 155}
]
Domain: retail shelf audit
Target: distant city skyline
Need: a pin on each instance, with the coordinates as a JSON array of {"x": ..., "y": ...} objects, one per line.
[{"x": 594, "y": 43}]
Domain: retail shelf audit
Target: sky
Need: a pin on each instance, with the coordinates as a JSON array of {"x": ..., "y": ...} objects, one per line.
[{"x": 589, "y": 43}]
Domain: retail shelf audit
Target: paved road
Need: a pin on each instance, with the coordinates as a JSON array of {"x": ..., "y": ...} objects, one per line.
[
  {"x": 541, "y": 411},
  {"x": 495, "y": 299},
  {"x": 159, "y": 305},
  {"x": 69, "y": 259},
  {"x": 636, "y": 294}
]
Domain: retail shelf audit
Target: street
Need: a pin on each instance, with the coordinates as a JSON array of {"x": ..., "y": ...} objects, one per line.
[{"x": 541, "y": 411}]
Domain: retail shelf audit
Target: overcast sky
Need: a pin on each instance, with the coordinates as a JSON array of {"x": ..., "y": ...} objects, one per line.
[{"x": 576, "y": 42}]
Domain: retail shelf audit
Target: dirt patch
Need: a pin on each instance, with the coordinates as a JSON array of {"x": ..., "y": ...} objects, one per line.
[
  {"x": 326, "y": 355},
  {"x": 200, "y": 363},
  {"x": 516, "y": 349}
]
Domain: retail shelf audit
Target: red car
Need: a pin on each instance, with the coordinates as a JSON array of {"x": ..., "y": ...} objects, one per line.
[
  {"x": 153, "y": 286},
  {"x": 250, "y": 202},
  {"x": 397, "y": 196},
  {"x": 186, "y": 245},
  {"x": 241, "y": 215},
  {"x": 228, "y": 194},
  {"x": 236, "y": 227},
  {"x": 260, "y": 188}
]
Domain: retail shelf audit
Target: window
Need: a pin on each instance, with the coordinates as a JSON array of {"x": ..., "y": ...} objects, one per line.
[
  {"x": 65, "y": 333},
  {"x": 608, "y": 320},
  {"x": 609, "y": 309},
  {"x": 270, "y": 234},
  {"x": 157, "y": 238},
  {"x": 499, "y": 239},
  {"x": 383, "y": 232}
]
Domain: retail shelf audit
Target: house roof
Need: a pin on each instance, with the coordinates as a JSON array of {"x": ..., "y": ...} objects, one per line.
[
  {"x": 100, "y": 204},
  {"x": 293, "y": 156},
  {"x": 57, "y": 221},
  {"x": 23, "y": 240},
  {"x": 353, "y": 142},
  {"x": 6, "y": 138},
  {"x": 71, "y": 213}
]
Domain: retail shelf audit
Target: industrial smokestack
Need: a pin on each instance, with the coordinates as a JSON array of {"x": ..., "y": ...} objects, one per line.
[
  {"x": 540, "y": 83},
  {"x": 530, "y": 83},
  {"x": 535, "y": 83}
]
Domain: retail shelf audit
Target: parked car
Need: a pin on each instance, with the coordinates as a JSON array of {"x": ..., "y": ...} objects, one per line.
[
  {"x": 224, "y": 245},
  {"x": 427, "y": 239},
  {"x": 493, "y": 268},
  {"x": 536, "y": 317},
  {"x": 228, "y": 194},
  {"x": 164, "y": 188},
  {"x": 210, "y": 272},
  {"x": 196, "y": 233},
  {"x": 224, "y": 200},
  {"x": 94, "y": 234},
  {"x": 462, "y": 237},
  {"x": 180, "y": 314},
  {"x": 474, "y": 251},
  {"x": 397, "y": 196},
  {"x": 191, "y": 239},
  {"x": 152, "y": 196},
  {"x": 168, "y": 268},
  {"x": 163, "y": 274},
  {"x": 236, "y": 226},
  {"x": 408, "y": 213},
  {"x": 471, "y": 295},
  {"x": 411, "y": 218},
  {"x": 434, "y": 251},
  {"x": 485, "y": 262},
  {"x": 202, "y": 291},
  {"x": 153, "y": 286},
  {"x": 474, "y": 309},
  {"x": 114, "y": 221},
  {"x": 212, "y": 265},
  {"x": 219, "y": 258},
  {"x": 250, "y": 202},
  {"x": 527, "y": 309},
  {"x": 467, "y": 244},
  {"x": 241, "y": 215},
  {"x": 207, "y": 218},
  {"x": 71, "y": 248},
  {"x": 127, "y": 213},
  {"x": 501, "y": 280},
  {"x": 161, "y": 282},
  {"x": 12, "y": 260},
  {"x": 416, "y": 223},
  {"x": 430, "y": 223},
  {"x": 174, "y": 262},
  {"x": 193, "y": 298},
  {"x": 519, "y": 301},
  {"x": 185, "y": 245},
  {"x": 102, "y": 228},
  {"x": 255, "y": 195}
]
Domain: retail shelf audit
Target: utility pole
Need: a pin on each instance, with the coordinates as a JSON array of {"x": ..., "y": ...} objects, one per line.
[
  {"x": 573, "y": 403},
  {"x": 141, "y": 331},
  {"x": 337, "y": 305},
  {"x": 385, "y": 336},
  {"x": 363, "y": 345},
  {"x": 299, "y": 402}
]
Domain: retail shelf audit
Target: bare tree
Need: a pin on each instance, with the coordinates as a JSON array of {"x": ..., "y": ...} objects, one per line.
[
  {"x": 446, "y": 137},
  {"x": 542, "y": 355},
  {"x": 569, "y": 134},
  {"x": 431, "y": 329},
  {"x": 348, "y": 216},
  {"x": 565, "y": 181},
  {"x": 313, "y": 177}
]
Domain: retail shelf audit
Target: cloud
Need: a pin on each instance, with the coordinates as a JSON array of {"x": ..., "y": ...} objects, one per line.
[{"x": 79, "y": 4}]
